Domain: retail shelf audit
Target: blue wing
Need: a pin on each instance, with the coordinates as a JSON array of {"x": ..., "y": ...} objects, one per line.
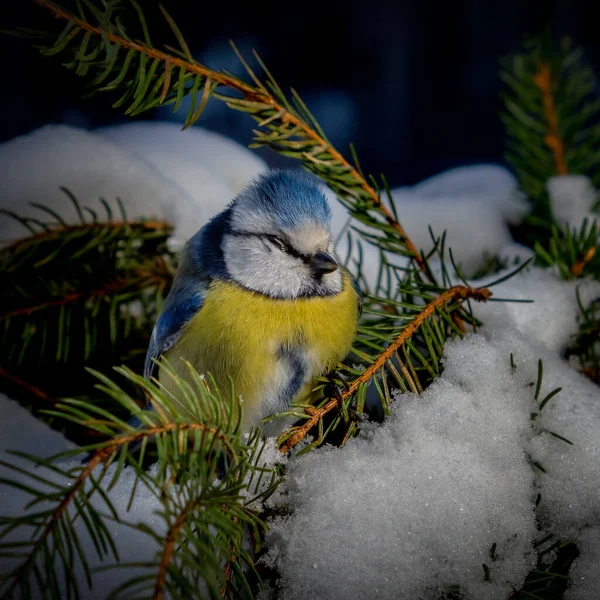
[
  {"x": 183, "y": 302},
  {"x": 201, "y": 262},
  {"x": 356, "y": 287}
]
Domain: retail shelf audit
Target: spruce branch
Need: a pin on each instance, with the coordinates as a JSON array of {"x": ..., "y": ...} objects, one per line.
[
  {"x": 146, "y": 76},
  {"x": 70, "y": 289},
  {"x": 574, "y": 251},
  {"x": 551, "y": 112},
  {"x": 205, "y": 514},
  {"x": 543, "y": 80},
  {"x": 384, "y": 360}
]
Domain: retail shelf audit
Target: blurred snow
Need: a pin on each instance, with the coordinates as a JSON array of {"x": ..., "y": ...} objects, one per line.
[
  {"x": 154, "y": 168},
  {"x": 193, "y": 158},
  {"x": 572, "y": 198},
  {"x": 33, "y": 167},
  {"x": 474, "y": 206},
  {"x": 21, "y": 431}
]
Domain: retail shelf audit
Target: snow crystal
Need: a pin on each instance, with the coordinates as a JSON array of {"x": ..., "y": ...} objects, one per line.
[
  {"x": 414, "y": 507},
  {"x": 572, "y": 198}
]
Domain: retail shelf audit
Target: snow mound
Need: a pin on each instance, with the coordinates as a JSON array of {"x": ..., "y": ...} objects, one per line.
[
  {"x": 550, "y": 319},
  {"x": 572, "y": 198},
  {"x": 414, "y": 508},
  {"x": 191, "y": 157},
  {"x": 33, "y": 167},
  {"x": 473, "y": 205}
]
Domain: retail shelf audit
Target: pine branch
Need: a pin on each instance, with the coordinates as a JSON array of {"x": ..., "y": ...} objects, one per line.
[
  {"x": 146, "y": 75},
  {"x": 551, "y": 112},
  {"x": 543, "y": 80},
  {"x": 69, "y": 289},
  {"x": 574, "y": 251},
  {"x": 198, "y": 508},
  {"x": 586, "y": 344},
  {"x": 384, "y": 360},
  {"x": 35, "y": 391}
]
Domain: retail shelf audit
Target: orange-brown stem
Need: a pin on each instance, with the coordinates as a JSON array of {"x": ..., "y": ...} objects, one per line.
[
  {"x": 101, "y": 455},
  {"x": 543, "y": 80},
  {"x": 254, "y": 94},
  {"x": 32, "y": 389},
  {"x": 458, "y": 292},
  {"x": 169, "y": 547},
  {"x": 579, "y": 266},
  {"x": 62, "y": 229}
]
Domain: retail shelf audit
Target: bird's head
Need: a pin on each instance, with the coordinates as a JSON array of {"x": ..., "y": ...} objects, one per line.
[{"x": 278, "y": 241}]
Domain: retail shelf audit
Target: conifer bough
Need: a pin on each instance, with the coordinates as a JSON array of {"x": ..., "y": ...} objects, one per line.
[{"x": 159, "y": 77}]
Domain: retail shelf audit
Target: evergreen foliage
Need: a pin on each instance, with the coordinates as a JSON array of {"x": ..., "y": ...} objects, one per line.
[
  {"x": 204, "y": 518},
  {"x": 551, "y": 117},
  {"x": 99, "y": 309}
]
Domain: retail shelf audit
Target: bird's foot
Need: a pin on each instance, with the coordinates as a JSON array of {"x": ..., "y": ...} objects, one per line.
[{"x": 333, "y": 389}]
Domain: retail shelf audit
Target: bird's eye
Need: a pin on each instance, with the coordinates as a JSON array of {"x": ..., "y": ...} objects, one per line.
[{"x": 281, "y": 244}]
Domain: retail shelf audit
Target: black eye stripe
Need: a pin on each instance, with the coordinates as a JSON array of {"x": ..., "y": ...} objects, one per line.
[{"x": 282, "y": 244}]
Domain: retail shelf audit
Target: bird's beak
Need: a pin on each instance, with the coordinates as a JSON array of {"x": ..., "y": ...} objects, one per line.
[{"x": 323, "y": 263}]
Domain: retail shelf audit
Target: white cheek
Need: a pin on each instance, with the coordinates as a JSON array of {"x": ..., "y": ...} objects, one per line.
[{"x": 250, "y": 263}]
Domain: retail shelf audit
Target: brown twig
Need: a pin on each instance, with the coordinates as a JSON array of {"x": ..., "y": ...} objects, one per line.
[
  {"x": 62, "y": 229},
  {"x": 170, "y": 541},
  {"x": 543, "y": 80},
  {"x": 229, "y": 567},
  {"x": 579, "y": 266},
  {"x": 32, "y": 389},
  {"x": 458, "y": 292},
  {"x": 101, "y": 455},
  {"x": 254, "y": 94},
  {"x": 114, "y": 287}
]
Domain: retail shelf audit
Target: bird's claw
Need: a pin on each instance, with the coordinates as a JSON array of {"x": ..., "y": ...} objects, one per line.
[{"x": 333, "y": 388}]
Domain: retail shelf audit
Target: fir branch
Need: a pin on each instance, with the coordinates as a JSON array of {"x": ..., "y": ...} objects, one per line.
[
  {"x": 196, "y": 505},
  {"x": 551, "y": 111},
  {"x": 35, "y": 391},
  {"x": 296, "y": 434},
  {"x": 574, "y": 251},
  {"x": 543, "y": 80},
  {"x": 285, "y": 126},
  {"x": 70, "y": 287}
]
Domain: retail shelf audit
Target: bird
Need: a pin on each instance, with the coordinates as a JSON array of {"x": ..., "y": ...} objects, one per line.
[{"x": 258, "y": 298}]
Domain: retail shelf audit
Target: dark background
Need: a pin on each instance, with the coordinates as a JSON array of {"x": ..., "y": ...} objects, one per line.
[{"x": 414, "y": 84}]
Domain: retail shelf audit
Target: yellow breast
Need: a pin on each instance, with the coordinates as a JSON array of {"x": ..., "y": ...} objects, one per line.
[{"x": 238, "y": 334}]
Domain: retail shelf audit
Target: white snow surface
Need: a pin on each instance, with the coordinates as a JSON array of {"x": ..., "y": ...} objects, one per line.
[
  {"x": 178, "y": 154},
  {"x": 572, "y": 198},
  {"x": 157, "y": 171},
  {"x": 474, "y": 206},
  {"x": 414, "y": 505}
]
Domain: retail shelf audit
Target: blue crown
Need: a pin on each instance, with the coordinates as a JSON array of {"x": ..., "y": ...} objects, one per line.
[{"x": 289, "y": 198}]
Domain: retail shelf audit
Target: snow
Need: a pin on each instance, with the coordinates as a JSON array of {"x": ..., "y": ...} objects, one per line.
[
  {"x": 584, "y": 572},
  {"x": 189, "y": 157},
  {"x": 572, "y": 198},
  {"x": 473, "y": 205},
  {"x": 410, "y": 508},
  {"x": 155, "y": 169},
  {"x": 461, "y": 456}
]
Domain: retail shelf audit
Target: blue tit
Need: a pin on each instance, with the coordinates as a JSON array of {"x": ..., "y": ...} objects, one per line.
[{"x": 259, "y": 298}]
